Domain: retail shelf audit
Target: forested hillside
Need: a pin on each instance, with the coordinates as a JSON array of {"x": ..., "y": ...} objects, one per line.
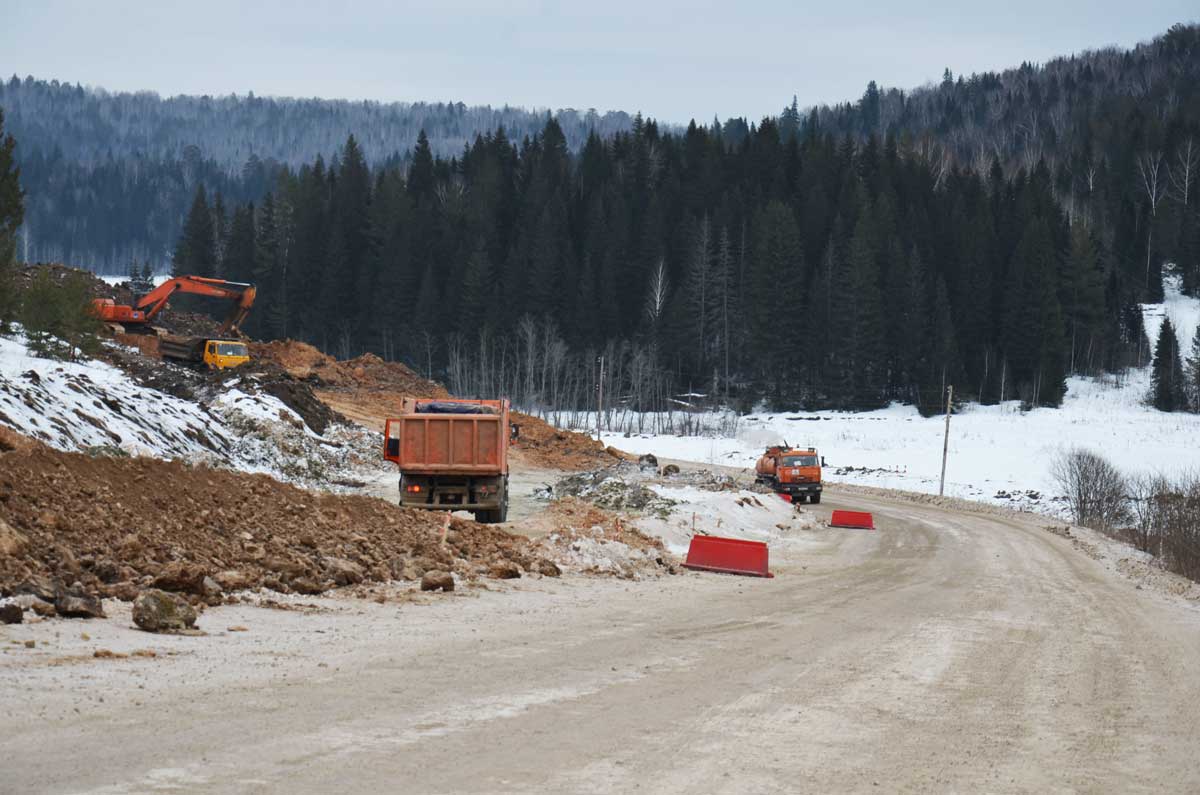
[
  {"x": 807, "y": 270},
  {"x": 1119, "y": 131},
  {"x": 110, "y": 175}
]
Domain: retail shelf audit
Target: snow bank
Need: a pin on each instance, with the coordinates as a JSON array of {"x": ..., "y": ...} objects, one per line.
[{"x": 733, "y": 514}]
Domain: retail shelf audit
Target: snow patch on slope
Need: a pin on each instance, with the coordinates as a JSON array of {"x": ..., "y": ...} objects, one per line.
[{"x": 94, "y": 405}]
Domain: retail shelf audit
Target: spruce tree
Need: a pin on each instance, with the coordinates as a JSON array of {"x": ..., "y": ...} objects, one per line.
[
  {"x": 12, "y": 215},
  {"x": 1192, "y": 373},
  {"x": 477, "y": 301},
  {"x": 240, "y": 246},
  {"x": 196, "y": 252},
  {"x": 220, "y": 232},
  {"x": 1166, "y": 375}
]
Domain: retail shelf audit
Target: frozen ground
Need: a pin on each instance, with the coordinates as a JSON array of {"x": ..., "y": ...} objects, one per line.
[{"x": 998, "y": 454}]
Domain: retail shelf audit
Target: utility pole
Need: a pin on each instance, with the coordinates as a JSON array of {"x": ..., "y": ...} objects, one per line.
[
  {"x": 946, "y": 442},
  {"x": 599, "y": 398}
]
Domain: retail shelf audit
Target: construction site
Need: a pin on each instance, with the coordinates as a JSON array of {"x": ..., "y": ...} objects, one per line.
[{"x": 229, "y": 565}]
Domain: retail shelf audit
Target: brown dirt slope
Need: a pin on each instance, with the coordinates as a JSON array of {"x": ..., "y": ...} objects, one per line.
[
  {"x": 542, "y": 445},
  {"x": 117, "y": 524}
]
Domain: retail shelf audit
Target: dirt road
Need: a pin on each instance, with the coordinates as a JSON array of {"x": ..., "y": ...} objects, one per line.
[{"x": 947, "y": 651}]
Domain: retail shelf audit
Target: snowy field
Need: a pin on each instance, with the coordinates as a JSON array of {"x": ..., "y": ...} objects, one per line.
[{"x": 998, "y": 454}]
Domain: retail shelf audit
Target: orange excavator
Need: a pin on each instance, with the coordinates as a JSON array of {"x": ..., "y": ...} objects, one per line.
[{"x": 216, "y": 353}]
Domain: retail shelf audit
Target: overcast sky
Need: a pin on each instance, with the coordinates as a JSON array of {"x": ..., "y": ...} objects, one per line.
[{"x": 672, "y": 61}]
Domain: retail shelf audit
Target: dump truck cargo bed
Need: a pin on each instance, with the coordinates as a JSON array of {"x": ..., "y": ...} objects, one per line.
[{"x": 453, "y": 455}]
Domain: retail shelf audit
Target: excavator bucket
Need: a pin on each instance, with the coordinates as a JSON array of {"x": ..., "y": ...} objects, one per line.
[
  {"x": 728, "y": 555},
  {"x": 854, "y": 519}
]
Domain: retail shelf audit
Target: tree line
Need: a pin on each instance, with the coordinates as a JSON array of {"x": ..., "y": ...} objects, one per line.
[{"x": 806, "y": 270}]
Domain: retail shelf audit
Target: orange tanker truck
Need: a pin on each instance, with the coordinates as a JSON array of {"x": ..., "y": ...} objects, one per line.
[
  {"x": 453, "y": 455},
  {"x": 795, "y": 472}
]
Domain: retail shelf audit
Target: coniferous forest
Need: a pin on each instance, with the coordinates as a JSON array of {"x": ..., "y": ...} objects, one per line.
[{"x": 995, "y": 233}]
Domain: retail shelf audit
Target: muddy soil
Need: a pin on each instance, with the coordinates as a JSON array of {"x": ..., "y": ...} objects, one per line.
[{"x": 116, "y": 524}]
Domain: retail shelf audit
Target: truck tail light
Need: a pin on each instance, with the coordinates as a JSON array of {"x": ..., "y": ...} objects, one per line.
[{"x": 413, "y": 488}]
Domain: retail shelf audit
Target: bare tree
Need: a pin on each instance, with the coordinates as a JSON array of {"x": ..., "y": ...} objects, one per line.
[
  {"x": 1094, "y": 488},
  {"x": 656, "y": 299},
  {"x": 1150, "y": 168},
  {"x": 1183, "y": 173}
]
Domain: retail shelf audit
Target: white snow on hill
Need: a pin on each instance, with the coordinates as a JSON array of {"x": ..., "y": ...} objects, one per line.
[
  {"x": 998, "y": 454},
  {"x": 94, "y": 405}
]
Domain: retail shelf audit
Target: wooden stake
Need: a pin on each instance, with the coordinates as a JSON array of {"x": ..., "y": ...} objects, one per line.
[{"x": 946, "y": 442}]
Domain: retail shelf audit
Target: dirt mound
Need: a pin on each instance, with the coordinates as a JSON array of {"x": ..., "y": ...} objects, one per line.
[
  {"x": 543, "y": 445},
  {"x": 366, "y": 372},
  {"x": 120, "y": 524}
]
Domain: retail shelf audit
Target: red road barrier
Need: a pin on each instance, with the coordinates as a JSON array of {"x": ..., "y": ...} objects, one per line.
[
  {"x": 728, "y": 555},
  {"x": 862, "y": 521},
  {"x": 784, "y": 497}
]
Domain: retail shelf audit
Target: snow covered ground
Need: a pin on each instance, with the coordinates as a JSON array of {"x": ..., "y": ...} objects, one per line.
[
  {"x": 998, "y": 454},
  {"x": 94, "y": 405}
]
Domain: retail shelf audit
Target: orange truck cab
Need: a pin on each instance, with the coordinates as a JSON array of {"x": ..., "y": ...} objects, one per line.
[
  {"x": 792, "y": 471},
  {"x": 452, "y": 455}
]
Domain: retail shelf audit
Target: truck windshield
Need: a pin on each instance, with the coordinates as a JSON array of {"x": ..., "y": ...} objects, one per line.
[
  {"x": 800, "y": 461},
  {"x": 231, "y": 349}
]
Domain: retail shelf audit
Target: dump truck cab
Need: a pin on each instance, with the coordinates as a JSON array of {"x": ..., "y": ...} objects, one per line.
[
  {"x": 221, "y": 354},
  {"x": 452, "y": 455},
  {"x": 795, "y": 472}
]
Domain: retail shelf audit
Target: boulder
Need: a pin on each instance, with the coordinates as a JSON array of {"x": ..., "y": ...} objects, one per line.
[
  {"x": 288, "y": 567},
  {"x": 437, "y": 581},
  {"x": 232, "y": 580},
  {"x": 126, "y": 591},
  {"x": 504, "y": 570},
  {"x": 41, "y": 607},
  {"x": 75, "y": 602},
  {"x": 307, "y": 586},
  {"x": 160, "y": 611},
  {"x": 11, "y": 614},
  {"x": 670, "y": 469},
  {"x": 107, "y": 571},
  {"x": 547, "y": 568},
  {"x": 344, "y": 572},
  {"x": 647, "y": 461},
  {"x": 44, "y": 588},
  {"x": 12, "y": 541},
  {"x": 181, "y": 577}
]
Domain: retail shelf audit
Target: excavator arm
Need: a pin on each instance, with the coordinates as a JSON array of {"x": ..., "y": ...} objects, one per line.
[{"x": 240, "y": 293}]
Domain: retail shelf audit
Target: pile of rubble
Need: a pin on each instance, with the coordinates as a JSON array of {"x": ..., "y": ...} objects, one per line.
[
  {"x": 542, "y": 445},
  {"x": 112, "y": 527}
]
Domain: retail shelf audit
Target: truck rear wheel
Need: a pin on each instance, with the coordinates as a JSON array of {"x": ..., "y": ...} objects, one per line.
[{"x": 816, "y": 498}]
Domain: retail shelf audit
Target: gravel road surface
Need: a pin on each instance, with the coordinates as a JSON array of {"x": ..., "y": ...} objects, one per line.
[{"x": 946, "y": 651}]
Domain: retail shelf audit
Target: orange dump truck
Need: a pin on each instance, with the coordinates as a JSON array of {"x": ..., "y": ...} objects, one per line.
[
  {"x": 795, "y": 472},
  {"x": 453, "y": 455}
]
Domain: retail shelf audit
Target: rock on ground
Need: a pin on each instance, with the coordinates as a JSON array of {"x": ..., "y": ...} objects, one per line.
[
  {"x": 11, "y": 614},
  {"x": 75, "y": 602},
  {"x": 159, "y": 611},
  {"x": 437, "y": 581}
]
